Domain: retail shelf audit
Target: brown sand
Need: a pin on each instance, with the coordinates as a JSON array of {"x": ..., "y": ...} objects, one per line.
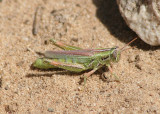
[{"x": 83, "y": 23}]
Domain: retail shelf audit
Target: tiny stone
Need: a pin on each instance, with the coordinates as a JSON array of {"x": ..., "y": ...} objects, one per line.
[
  {"x": 126, "y": 100},
  {"x": 0, "y": 81},
  {"x": 50, "y": 110},
  {"x": 53, "y": 11},
  {"x": 75, "y": 39},
  {"x": 78, "y": 5},
  {"x": 108, "y": 95},
  {"x": 26, "y": 22},
  {"x": 150, "y": 53},
  {"x": 46, "y": 42},
  {"x": 138, "y": 66},
  {"x": 137, "y": 58},
  {"x": 94, "y": 28},
  {"x": 6, "y": 88},
  {"x": 79, "y": 89}
]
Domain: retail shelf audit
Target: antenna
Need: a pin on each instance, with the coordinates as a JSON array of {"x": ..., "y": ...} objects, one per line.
[{"x": 128, "y": 44}]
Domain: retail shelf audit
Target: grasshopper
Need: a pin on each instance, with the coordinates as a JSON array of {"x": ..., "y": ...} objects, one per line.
[{"x": 77, "y": 59}]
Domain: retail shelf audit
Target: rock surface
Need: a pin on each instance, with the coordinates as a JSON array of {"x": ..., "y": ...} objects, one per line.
[{"x": 143, "y": 17}]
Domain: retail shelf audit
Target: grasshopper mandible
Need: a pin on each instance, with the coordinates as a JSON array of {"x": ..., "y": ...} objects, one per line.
[{"x": 77, "y": 60}]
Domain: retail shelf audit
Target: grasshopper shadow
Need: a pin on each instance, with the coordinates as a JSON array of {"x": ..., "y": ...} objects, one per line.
[
  {"x": 58, "y": 71},
  {"x": 108, "y": 13},
  {"x": 50, "y": 72}
]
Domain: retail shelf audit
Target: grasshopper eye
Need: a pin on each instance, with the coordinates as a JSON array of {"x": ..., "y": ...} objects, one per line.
[{"x": 116, "y": 55}]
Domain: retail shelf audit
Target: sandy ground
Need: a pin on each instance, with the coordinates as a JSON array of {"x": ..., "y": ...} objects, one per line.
[{"x": 83, "y": 23}]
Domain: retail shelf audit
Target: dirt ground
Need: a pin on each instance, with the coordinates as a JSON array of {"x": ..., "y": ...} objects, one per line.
[{"x": 83, "y": 23}]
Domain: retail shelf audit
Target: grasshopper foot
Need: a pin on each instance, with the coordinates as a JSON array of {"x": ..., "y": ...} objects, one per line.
[
  {"x": 83, "y": 80},
  {"x": 115, "y": 76},
  {"x": 105, "y": 78},
  {"x": 86, "y": 75}
]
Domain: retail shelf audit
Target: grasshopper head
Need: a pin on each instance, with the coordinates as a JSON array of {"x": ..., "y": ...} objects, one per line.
[
  {"x": 116, "y": 55},
  {"x": 117, "y": 52}
]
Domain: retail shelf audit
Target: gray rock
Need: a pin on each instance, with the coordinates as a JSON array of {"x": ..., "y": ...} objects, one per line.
[{"x": 143, "y": 17}]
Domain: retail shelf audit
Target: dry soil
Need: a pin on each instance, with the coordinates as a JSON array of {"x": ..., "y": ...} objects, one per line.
[{"x": 83, "y": 23}]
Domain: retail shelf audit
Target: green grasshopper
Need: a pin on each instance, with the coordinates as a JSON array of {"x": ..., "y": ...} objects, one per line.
[{"x": 77, "y": 60}]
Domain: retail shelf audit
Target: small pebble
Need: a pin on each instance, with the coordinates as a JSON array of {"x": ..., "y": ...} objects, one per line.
[
  {"x": 108, "y": 95},
  {"x": 79, "y": 89},
  {"x": 6, "y": 88},
  {"x": 50, "y": 110},
  {"x": 0, "y": 82},
  {"x": 94, "y": 28},
  {"x": 137, "y": 58},
  {"x": 137, "y": 65},
  {"x": 46, "y": 42},
  {"x": 75, "y": 39}
]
